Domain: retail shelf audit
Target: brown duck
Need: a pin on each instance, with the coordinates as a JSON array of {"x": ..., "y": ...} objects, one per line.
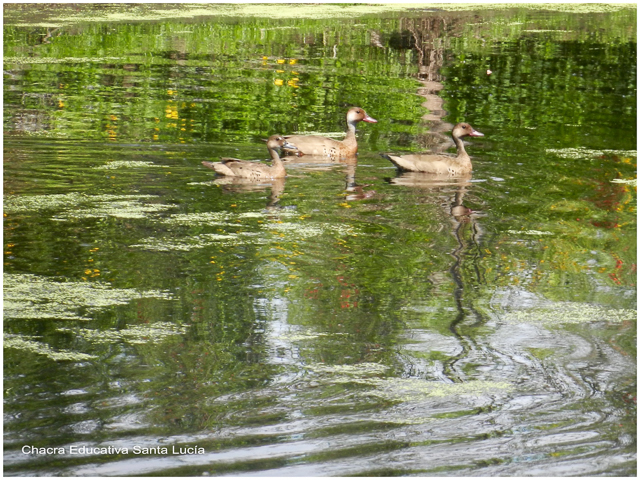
[
  {"x": 232, "y": 167},
  {"x": 440, "y": 163},
  {"x": 328, "y": 147}
]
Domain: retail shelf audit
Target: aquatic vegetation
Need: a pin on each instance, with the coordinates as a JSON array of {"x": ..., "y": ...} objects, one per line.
[
  {"x": 147, "y": 12},
  {"x": 26, "y": 344},
  {"x": 23, "y": 203},
  {"x": 115, "y": 208},
  {"x": 586, "y": 153},
  {"x": 52, "y": 60},
  {"x": 278, "y": 229},
  {"x": 216, "y": 218},
  {"x": 203, "y": 218},
  {"x": 403, "y": 389},
  {"x": 128, "y": 206},
  {"x": 528, "y": 232},
  {"x": 35, "y": 297},
  {"x": 188, "y": 243},
  {"x": 415, "y": 389},
  {"x": 133, "y": 334},
  {"x": 295, "y": 337},
  {"x": 632, "y": 181},
  {"x": 356, "y": 370},
  {"x": 128, "y": 164},
  {"x": 311, "y": 229},
  {"x": 569, "y": 313}
]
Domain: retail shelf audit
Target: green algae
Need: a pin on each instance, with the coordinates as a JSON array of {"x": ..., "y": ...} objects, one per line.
[
  {"x": 631, "y": 181},
  {"x": 117, "y": 164},
  {"x": 216, "y": 218},
  {"x": 278, "y": 230},
  {"x": 528, "y": 232},
  {"x": 402, "y": 389},
  {"x": 75, "y": 206},
  {"x": 167, "y": 244},
  {"x": 296, "y": 337},
  {"x": 28, "y": 345},
  {"x": 107, "y": 204},
  {"x": 119, "y": 209},
  {"x": 561, "y": 313},
  {"x": 59, "y": 17},
  {"x": 356, "y": 370},
  {"x": 587, "y": 153},
  {"x": 414, "y": 389},
  {"x": 311, "y": 229},
  {"x": 134, "y": 334},
  {"x": 29, "y": 296},
  {"x": 199, "y": 219},
  {"x": 52, "y": 60}
]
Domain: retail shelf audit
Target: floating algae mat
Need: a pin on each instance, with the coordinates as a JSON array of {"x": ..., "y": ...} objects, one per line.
[
  {"x": 134, "y": 334},
  {"x": 124, "y": 206},
  {"x": 569, "y": 312},
  {"x": 403, "y": 389},
  {"x": 27, "y": 344},
  {"x": 278, "y": 230},
  {"x": 35, "y": 297},
  {"x": 128, "y": 164},
  {"x": 586, "y": 153}
]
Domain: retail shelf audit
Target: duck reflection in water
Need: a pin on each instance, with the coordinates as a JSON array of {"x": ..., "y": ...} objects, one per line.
[
  {"x": 452, "y": 190},
  {"x": 354, "y": 191},
  {"x": 235, "y": 185}
]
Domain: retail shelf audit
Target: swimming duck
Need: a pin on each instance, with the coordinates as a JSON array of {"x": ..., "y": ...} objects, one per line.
[
  {"x": 440, "y": 163},
  {"x": 328, "y": 147},
  {"x": 233, "y": 167}
]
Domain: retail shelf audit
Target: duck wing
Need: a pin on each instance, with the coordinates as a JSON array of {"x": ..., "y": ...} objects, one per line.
[
  {"x": 311, "y": 144},
  {"x": 426, "y": 163}
]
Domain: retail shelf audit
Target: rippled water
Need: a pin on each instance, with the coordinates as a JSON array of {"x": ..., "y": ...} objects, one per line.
[{"x": 348, "y": 320}]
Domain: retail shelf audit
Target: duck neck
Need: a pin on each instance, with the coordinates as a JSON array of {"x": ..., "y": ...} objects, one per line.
[
  {"x": 351, "y": 133},
  {"x": 462, "y": 153},
  {"x": 277, "y": 161}
]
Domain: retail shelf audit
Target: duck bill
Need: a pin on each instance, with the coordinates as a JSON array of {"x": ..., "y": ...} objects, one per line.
[
  {"x": 369, "y": 119},
  {"x": 476, "y": 133},
  {"x": 289, "y": 146}
]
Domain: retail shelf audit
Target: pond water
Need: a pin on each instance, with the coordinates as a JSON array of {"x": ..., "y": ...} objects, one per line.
[{"x": 348, "y": 320}]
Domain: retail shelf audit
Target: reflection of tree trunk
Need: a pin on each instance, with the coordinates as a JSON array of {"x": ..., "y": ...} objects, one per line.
[{"x": 427, "y": 42}]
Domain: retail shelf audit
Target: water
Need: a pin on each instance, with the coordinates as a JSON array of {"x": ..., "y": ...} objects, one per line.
[{"x": 348, "y": 320}]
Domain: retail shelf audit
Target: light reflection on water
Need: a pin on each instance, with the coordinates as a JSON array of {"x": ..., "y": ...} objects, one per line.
[{"x": 348, "y": 320}]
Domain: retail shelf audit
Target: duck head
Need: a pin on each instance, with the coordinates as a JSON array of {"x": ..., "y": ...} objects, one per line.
[
  {"x": 463, "y": 129},
  {"x": 278, "y": 141},
  {"x": 357, "y": 114}
]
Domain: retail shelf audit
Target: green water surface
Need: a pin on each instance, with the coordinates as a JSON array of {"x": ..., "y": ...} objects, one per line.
[{"x": 348, "y": 320}]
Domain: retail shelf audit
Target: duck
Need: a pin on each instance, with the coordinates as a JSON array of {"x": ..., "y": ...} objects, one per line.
[
  {"x": 233, "y": 167},
  {"x": 440, "y": 163},
  {"x": 328, "y": 147}
]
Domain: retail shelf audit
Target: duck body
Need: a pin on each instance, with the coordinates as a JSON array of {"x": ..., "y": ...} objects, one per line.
[
  {"x": 233, "y": 167},
  {"x": 440, "y": 163},
  {"x": 328, "y": 147}
]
